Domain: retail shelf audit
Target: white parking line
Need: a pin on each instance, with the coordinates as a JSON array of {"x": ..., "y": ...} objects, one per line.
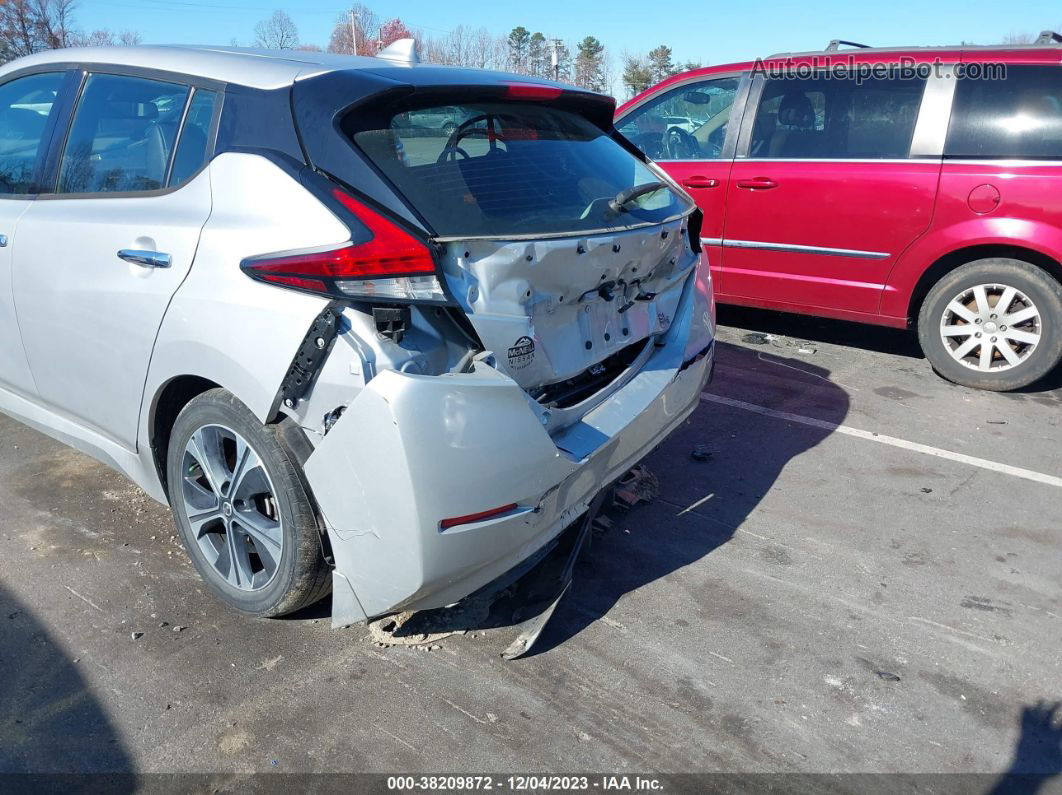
[{"x": 903, "y": 444}]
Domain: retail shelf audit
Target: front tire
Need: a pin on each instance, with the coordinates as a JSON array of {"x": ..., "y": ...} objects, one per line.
[
  {"x": 241, "y": 508},
  {"x": 993, "y": 324}
]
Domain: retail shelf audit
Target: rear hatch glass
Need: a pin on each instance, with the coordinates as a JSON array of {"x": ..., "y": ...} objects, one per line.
[{"x": 510, "y": 169}]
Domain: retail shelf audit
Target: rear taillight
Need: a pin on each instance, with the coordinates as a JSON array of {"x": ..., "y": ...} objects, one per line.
[{"x": 390, "y": 265}]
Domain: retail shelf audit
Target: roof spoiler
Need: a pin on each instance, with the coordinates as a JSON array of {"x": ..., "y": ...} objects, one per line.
[{"x": 402, "y": 51}]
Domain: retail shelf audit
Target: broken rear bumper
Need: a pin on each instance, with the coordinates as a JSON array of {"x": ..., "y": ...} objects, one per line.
[{"x": 413, "y": 450}]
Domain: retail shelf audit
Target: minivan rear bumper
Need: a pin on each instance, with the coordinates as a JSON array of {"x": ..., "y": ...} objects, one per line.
[{"x": 412, "y": 451}]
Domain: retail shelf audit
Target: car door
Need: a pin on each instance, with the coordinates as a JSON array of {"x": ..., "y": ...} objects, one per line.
[
  {"x": 100, "y": 258},
  {"x": 29, "y": 105},
  {"x": 690, "y": 130},
  {"x": 824, "y": 195}
]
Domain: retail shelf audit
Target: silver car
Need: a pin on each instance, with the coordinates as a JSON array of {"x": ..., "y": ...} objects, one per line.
[{"x": 349, "y": 357}]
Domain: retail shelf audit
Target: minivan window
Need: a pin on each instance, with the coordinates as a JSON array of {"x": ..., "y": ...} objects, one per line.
[
  {"x": 26, "y": 106},
  {"x": 836, "y": 117},
  {"x": 510, "y": 168},
  {"x": 685, "y": 123},
  {"x": 195, "y": 137},
  {"x": 1019, "y": 116},
  {"x": 122, "y": 135}
]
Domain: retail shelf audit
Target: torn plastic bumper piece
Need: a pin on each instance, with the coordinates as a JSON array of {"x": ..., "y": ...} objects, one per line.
[
  {"x": 412, "y": 450},
  {"x": 531, "y": 629}
]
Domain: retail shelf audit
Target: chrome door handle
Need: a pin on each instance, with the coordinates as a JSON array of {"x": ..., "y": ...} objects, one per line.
[{"x": 146, "y": 259}]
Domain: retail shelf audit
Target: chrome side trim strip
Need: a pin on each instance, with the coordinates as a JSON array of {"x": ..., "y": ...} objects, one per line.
[
  {"x": 999, "y": 162},
  {"x": 793, "y": 248}
]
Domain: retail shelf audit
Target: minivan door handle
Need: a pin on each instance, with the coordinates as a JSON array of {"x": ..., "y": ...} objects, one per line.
[
  {"x": 697, "y": 181},
  {"x": 759, "y": 183},
  {"x": 145, "y": 259}
]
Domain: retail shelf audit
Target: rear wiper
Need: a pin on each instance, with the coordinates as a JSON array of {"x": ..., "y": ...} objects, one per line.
[{"x": 625, "y": 197}]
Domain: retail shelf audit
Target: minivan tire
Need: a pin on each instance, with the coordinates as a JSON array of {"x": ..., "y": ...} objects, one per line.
[
  {"x": 1036, "y": 285},
  {"x": 300, "y": 577}
]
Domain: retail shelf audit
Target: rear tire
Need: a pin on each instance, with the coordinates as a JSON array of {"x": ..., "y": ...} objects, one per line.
[
  {"x": 972, "y": 339},
  {"x": 241, "y": 508}
]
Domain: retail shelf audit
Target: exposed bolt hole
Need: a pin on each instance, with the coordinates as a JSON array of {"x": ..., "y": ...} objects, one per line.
[
  {"x": 589, "y": 345},
  {"x": 608, "y": 337},
  {"x": 616, "y": 247},
  {"x": 626, "y": 331}
]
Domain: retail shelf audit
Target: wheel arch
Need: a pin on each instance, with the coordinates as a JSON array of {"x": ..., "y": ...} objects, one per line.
[
  {"x": 961, "y": 256},
  {"x": 170, "y": 399}
]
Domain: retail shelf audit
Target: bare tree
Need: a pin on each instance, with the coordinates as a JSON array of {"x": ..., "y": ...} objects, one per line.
[
  {"x": 463, "y": 46},
  {"x": 29, "y": 26},
  {"x": 105, "y": 38},
  {"x": 276, "y": 33},
  {"x": 356, "y": 32}
]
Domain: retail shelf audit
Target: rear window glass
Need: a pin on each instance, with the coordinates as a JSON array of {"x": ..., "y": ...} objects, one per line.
[
  {"x": 1019, "y": 116},
  {"x": 500, "y": 169}
]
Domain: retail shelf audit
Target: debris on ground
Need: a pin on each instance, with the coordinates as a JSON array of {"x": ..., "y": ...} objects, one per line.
[
  {"x": 926, "y": 490},
  {"x": 638, "y": 485},
  {"x": 136, "y": 635},
  {"x": 428, "y": 627},
  {"x": 179, "y": 628},
  {"x": 701, "y": 453},
  {"x": 757, "y": 338}
]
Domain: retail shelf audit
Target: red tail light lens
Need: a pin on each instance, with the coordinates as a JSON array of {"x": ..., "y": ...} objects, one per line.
[
  {"x": 390, "y": 264},
  {"x": 482, "y": 516},
  {"x": 532, "y": 91}
]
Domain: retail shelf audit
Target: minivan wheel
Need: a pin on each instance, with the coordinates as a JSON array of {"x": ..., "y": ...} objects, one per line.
[
  {"x": 241, "y": 508},
  {"x": 993, "y": 324}
]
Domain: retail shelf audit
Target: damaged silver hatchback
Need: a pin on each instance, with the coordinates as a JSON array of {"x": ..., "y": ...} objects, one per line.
[{"x": 353, "y": 350}]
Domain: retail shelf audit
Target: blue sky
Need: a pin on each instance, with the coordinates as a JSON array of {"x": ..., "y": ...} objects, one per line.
[{"x": 697, "y": 30}]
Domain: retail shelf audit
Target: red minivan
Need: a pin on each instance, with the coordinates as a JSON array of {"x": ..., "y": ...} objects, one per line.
[{"x": 898, "y": 187}]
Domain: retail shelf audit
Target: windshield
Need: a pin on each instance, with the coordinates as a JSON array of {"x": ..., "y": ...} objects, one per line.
[{"x": 503, "y": 169}]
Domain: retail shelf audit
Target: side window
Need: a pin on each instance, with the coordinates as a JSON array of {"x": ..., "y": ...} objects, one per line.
[
  {"x": 685, "y": 123},
  {"x": 834, "y": 117},
  {"x": 194, "y": 141},
  {"x": 1019, "y": 116},
  {"x": 26, "y": 105},
  {"x": 122, "y": 135}
]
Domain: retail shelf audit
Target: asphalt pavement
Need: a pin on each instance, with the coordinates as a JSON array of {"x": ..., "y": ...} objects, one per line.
[{"x": 862, "y": 573}]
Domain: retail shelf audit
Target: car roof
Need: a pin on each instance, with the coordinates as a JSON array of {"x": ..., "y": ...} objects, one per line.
[{"x": 255, "y": 68}]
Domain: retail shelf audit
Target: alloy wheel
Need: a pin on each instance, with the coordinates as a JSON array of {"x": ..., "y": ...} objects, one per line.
[
  {"x": 231, "y": 507},
  {"x": 991, "y": 327}
]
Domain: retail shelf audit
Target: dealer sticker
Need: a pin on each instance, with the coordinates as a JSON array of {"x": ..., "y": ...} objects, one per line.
[{"x": 522, "y": 353}]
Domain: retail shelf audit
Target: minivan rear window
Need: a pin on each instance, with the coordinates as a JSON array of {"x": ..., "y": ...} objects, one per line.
[
  {"x": 503, "y": 169},
  {"x": 1019, "y": 116}
]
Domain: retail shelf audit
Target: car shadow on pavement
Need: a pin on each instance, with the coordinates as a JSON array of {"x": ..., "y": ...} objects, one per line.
[
  {"x": 50, "y": 721},
  {"x": 741, "y": 456},
  {"x": 882, "y": 339},
  {"x": 1038, "y": 752}
]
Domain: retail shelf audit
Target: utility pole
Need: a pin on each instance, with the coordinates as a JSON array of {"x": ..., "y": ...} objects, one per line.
[
  {"x": 353, "y": 32},
  {"x": 555, "y": 59}
]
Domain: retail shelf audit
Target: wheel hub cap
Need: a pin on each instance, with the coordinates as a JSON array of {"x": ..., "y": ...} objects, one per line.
[{"x": 991, "y": 327}]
